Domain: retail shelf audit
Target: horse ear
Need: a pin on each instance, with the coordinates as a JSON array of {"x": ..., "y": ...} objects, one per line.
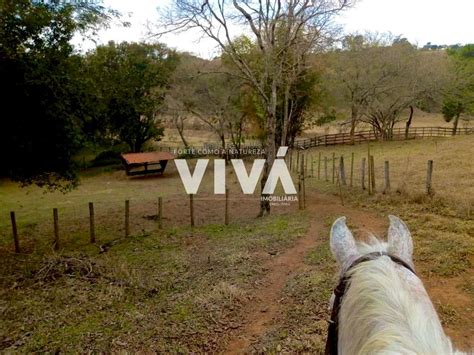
[
  {"x": 342, "y": 242},
  {"x": 399, "y": 239}
]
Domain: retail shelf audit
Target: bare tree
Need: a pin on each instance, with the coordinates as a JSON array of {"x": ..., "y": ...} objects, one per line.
[
  {"x": 178, "y": 89},
  {"x": 381, "y": 77},
  {"x": 356, "y": 73},
  {"x": 178, "y": 120},
  {"x": 278, "y": 27},
  {"x": 412, "y": 79}
]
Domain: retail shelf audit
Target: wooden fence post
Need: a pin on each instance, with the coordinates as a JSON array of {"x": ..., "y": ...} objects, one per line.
[
  {"x": 15, "y": 232},
  {"x": 191, "y": 206},
  {"x": 339, "y": 186},
  {"x": 372, "y": 175},
  {"x": 300, "y": 199},
  {"x": 326, "y": 168},
  {"x": 160, "y": 212},
  {"x": 127, "y": 218},
  {"x": 56, "y": 229},
  {"x": 304, "y": 193},
  {"x": 369, "y": 170},
  {"x": 226, "y": 219},
  {"x": 297, "y": 160},
  {"x": 312, "y": 166},
  {"x": 333, "y": 167},
  {"x": 362, "y": 174},
  {"x": 91, "y": 222},
  {"x": 342, "y": 170},
  {"x": 429, "y": 175},
  {"x": 305, "y": 159},
  {"x": 387, "y": 177},
  {"x": 319, "y": 166},
  {"x": 290, "y": 158},
  {"x": 352, "y": 168},
  {"x": 303, "y": 184}
]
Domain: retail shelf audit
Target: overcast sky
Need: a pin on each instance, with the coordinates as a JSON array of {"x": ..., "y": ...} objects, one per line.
[{"x": 421, "y": 21}]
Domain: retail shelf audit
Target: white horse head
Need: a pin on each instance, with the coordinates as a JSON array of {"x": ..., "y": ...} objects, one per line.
[{"x": 385, "y": 309}]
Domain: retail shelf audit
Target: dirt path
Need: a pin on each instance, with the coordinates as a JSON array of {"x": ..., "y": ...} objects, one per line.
[
  {"x": 262, "y": 313},
  {"x": 264, "y": 308}
]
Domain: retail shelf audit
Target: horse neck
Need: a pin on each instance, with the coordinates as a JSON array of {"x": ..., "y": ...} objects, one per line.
[{"x": 386, "y": 310}]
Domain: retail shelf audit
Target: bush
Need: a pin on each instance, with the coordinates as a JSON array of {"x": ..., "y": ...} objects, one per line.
[
  {"x": 326, "y": 118},
  {"x": 106, "y": 158}
]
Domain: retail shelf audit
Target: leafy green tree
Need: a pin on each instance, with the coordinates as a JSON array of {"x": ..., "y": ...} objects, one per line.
[
  {"x": 459, "y": 93},
  {"x": 42, "y": 92},
  {"x": 131, "y": 80},
  {"x": 299, "y": 90},
  {"x": 452, "y": 110}
]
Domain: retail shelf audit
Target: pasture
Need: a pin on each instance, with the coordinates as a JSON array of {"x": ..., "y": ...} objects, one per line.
[{"x": 256, "y": 284}]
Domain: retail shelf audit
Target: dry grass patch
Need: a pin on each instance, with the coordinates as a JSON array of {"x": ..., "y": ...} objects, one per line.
[
  {"x": 172, "y": 291},
  {"x": 453, "y": 182},
  {"x": 303, "y": 323}
]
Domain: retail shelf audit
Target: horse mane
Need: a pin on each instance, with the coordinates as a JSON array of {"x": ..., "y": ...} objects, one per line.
[{"x": 386, "y": 310}]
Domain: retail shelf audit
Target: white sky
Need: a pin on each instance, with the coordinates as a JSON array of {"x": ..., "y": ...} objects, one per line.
[{"x": 421, "y": 21}]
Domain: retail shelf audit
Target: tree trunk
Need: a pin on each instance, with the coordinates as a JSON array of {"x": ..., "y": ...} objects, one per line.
[
  {"x": 286, "y": 118},
  {"x": 455, "y": 124},
  {"x": 354, "y": 116},
  {"x": 139, "y": 146},
  {"x": 270, "y": 148},
  {"x": 180, "y": 127},
  {"x": 224, "y": 150},
  {"x": 239, "y": 136},
  {"x": 408, "y": 124},
  {"x": 135, "y": 145}
]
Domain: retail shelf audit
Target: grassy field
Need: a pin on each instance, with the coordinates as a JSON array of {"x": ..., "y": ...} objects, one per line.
[
  {"x": 192, "y": 290},
  {"x": 442, "y": 225},
  {"x": 164, "y": 292},
  {"x": 452, "y": 180},
  {"x": 444, "y": 222},
  {"x": 108, "y": 191}
]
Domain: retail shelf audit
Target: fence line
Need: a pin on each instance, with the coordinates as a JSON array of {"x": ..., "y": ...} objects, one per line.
[
  {"x": 369, "y": 135},
  {"x": 367, "y": 170},
  {"x": 127, "y": 216},
  {"x": 338, "y": 171},
  {"x": 317, "y": 141}
]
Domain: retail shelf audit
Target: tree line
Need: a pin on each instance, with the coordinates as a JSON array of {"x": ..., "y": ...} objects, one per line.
[{"x": 290, "y": 69}]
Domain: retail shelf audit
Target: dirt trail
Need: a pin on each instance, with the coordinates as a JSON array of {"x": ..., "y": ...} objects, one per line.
[
  {"x": 263, "y": 309},
  {"x": 262, "y": 312}
]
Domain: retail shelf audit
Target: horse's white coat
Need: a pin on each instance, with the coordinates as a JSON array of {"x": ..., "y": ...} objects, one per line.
[{"x": 385, "y": 309}]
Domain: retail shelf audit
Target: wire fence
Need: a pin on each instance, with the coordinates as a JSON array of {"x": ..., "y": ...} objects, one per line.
[
  {"x": 74, "y": 226},
  {"x": 101, "y": 221}
]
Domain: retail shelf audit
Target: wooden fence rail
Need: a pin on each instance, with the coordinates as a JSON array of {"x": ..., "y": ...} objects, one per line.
[
  {"x": 366, "y": 136},
  {"x": 322, "y": 140}
]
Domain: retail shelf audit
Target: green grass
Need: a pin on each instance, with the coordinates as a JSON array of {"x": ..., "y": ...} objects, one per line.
[
  {"x": 108, "y": 191},
  {"x": 172, "y": 291},
  {"x": 180, "y": 290}
]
